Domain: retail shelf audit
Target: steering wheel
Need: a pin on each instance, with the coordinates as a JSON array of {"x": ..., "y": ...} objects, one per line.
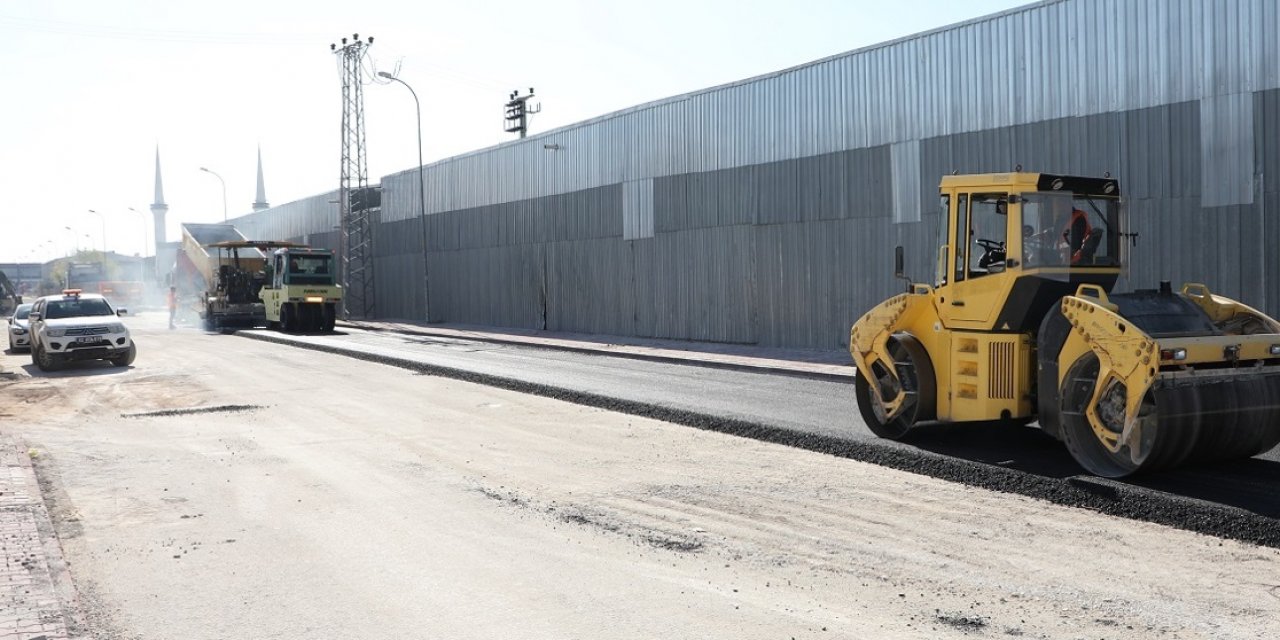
[
  {"x": 989, "y": 245},
  {"x": 993, "y": 252}
]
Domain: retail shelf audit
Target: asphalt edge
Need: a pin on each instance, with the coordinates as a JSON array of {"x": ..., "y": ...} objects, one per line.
[
  {"x": 1114, "y": 499},
  {"x": 710, "y": 364},
  {"x": 29, "y": 498}
]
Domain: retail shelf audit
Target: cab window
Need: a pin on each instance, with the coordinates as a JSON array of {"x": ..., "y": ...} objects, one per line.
[
  {"x": 988, "y": 230},
  {"x": 309, "y": 269},
  {"x": 940, "y": 275},
  {"x": 961, "y": 234},
  {"x": 1062, "y": 229},
  {"x": 277, "y": 277}
]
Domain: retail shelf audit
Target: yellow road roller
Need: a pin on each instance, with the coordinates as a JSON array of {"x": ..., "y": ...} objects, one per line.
[{"x": 1021, "y": 325}]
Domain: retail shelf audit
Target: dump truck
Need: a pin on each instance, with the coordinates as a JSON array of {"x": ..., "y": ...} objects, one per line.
[
  {"x": 1021, "y": 324},
  {"x": 257, "y": 283}
]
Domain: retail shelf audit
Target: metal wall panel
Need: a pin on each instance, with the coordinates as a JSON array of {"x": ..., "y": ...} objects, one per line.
[
  {"x": 644, "y": 290},
  {"x": 498, "y": 286},
  {"x": 795, "y": 278},
  {"x": 1266, "y": 238},
  {"x": 590, "y": 287},
  {"x": 637, "y": 209},
  {"x": 778, "y": 192},
  {"x": 1263, "y": 228},
  {"x": 1047, "y": 61},
  {"x": 904, "y": 159},
  {"x": 703, "y": 285},
  {"x": 1226, "y": 140},
  {"x": 314, "y": 215}
]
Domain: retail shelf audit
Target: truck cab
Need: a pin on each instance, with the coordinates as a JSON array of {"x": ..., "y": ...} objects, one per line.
[
  {"x": 1013, "y": 244},
  {"x": 301, "y": 292}
]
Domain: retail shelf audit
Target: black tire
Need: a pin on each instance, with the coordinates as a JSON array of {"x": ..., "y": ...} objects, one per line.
[
  {"x": 917, "y": 376},
  {"x": 126, "y": 359},
  {"x": 310, "y": 318},
  {"x": 286, "y": 318},
  {"x": 330, "y": 318},
  {"x": 892, "y": 430},
  {"x": 1085, "y": 446},
  {"x": 46, "y": 361}
]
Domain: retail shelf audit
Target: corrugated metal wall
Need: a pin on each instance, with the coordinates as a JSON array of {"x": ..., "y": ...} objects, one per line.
[{"x": 765, "y": 211}]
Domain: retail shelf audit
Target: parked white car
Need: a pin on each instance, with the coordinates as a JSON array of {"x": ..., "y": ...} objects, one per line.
[
  {"x": 19, "y": 337},
  {"x": 77, "y": 326}
]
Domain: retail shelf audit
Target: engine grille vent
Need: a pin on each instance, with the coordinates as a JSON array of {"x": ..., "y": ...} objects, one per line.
[
  {"x": 87, "y": 331},
  {"x": 1000, "y": 373}
]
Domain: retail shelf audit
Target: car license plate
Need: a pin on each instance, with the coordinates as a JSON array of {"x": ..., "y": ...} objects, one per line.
[{"x": 86, "y": 339}]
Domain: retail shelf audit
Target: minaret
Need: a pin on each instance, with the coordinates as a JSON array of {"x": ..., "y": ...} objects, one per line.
[
  {"x": 261, "y": 202},
  {"x": 159, "y": 208}
]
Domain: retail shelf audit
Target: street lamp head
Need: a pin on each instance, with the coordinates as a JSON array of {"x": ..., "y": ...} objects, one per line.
[
  {"x": 205, "y": 170},
  {"x": 386, "y": 75}
]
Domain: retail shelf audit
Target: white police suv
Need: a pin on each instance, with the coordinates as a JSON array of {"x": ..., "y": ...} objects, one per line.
[{"x": 77, "y": 326}]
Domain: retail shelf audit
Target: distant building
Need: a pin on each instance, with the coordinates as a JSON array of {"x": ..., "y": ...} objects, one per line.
[{"x": 24, "y": 276}]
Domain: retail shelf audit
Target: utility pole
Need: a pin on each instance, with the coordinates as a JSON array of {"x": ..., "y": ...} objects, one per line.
[
  {"x": 422, "y": 200},
  {"x": 518, "y": 112},
  {"x": 354, "y": 195}
]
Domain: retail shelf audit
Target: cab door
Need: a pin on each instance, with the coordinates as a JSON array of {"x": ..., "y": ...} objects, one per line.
[
  {"x": 274, "y": 292},
  {"x": 976, "y": 280}
]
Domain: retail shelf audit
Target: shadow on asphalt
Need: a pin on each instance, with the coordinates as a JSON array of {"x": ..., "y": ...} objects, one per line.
[
  {"x": 77, "y": 369},
  {"x": 232, "y": 331},
  {"x": 1252, "y": 485}
]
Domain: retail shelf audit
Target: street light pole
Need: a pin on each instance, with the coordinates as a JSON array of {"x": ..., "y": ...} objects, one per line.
[
  {"x": 422, "y": 199},
  {"x": 102, "y": 275},
  {"x": 224, "y": 191},
  {"x": 103, "y": 220}
]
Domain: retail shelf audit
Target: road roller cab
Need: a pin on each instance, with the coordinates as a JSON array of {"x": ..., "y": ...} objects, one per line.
[{"x": 1020, "y": 324}]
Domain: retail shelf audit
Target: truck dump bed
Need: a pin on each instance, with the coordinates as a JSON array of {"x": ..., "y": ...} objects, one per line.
[{"x": 196, "y": 237}]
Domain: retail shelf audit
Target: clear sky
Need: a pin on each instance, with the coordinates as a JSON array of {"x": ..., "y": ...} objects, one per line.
[{"x": 91, "y": 87}]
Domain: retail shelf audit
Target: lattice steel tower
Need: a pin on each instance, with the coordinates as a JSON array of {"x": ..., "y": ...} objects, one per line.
[{"x": 354, "y": 201}]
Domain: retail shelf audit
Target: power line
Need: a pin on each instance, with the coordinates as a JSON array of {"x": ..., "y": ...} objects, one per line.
[{"x": 157, "y": 35}]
